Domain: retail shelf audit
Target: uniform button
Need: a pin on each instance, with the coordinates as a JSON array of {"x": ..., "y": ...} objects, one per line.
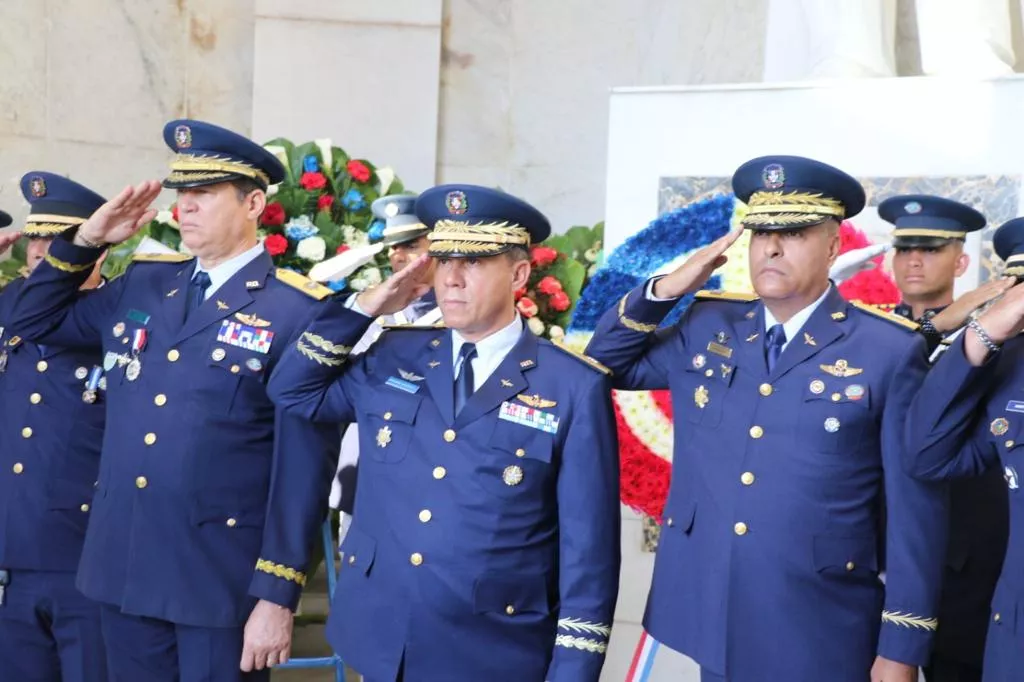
[
  {"x": 42, "y": 365},
  {"x": 150, "y": 438},
  {"x": 997, "y": 618},
  {"x": 141, "y": 482},
  {"x": 510, "y": 610},
  {"x": 836, "y": 397},
  {"x": 35, "y": 398},
  {"x": 747, "y": 478},
  {"x": 231, "y": 523},
  {"x": 756, "y": 432},
  {"x": 440, "y": 472},
  {"x": 449, "y": 435},
  {"x": 709, "y": 372},
  {"x": 416, "y": 559},
  {"x": 765, "y": 390},
  {"x": 160, "y": 400},
  {"x": 387, "y": 416},
  {"x": 84, "y": 507},
  {"x": 520, "y": 452},
  {"x": 850, "y": 566},
  {"x": 18, "y": 467},
  {"x": 235, "y": 369},
  {"x": 669, "y": 522},
  {"x": 26, "y": 432},
  {"x": 740, "y": 528},
  {"x": 425, "y": 515},
  {"x": 1009, "y": 444},
  {"x": 351, "y": 559},
  {"x": 173, "y": 355}
]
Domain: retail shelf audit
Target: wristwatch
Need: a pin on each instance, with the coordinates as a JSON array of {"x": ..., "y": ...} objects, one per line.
[{"x": 927, "y": 326}]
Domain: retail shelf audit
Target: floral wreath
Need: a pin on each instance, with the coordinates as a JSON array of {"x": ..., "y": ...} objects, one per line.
[{"x": 644, "y": 418}]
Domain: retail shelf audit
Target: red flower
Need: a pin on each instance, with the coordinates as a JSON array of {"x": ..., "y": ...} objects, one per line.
[
  {"x": 342, "y": 249},
  {"x": 542, "y": 256},
  {"x": 358, "y": 170},
  {"x": 549, "y": 285},
  {"x": 174, "y": 212},
  {"x": 273, "y": 215},
  {"x": 559, "y": 301},
  {"x": 312, "y": 181},
  {"x": 275, "y": 244},
  {"x": 324, "y": 202},
  {"x": 520, "y": 293},
  {"x": 527, "y": 308}
]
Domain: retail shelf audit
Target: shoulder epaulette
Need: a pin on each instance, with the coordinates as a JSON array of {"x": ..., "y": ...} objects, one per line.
[
  {"x": 302, "y": 283},
  {"x": 584, "y": 358},
  {"x": 888, "y": 317},
  {"x": 707, "y": 294},
  {"x": 160, "y": 257}
]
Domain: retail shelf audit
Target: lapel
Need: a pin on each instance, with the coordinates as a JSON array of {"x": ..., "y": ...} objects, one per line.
[
  {"x": 822, "y": 328},
  {"x": 175, "y": 296},
  {"x": 751, "y": 326},
  {"x": 505, "y": 383},
  {"x": 440, "y": 377},
  {"x": 231, "y": 297}
]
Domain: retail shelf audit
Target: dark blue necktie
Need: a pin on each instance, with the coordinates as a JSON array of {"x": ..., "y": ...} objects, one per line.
[
  {"x": 464, "y": 381},
  {"x": 197, "y": 289},
  {"x": 773, "y": 342}
]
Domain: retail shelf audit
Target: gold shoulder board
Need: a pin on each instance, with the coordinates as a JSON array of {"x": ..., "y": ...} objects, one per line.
[
  {"x": 160, "y": 257},
  {"x": 302, "y": 283},
  {"x": 585, "y": 359},
  {"x": 706, "y": 294},
  {"x": 888, "y": 317}
]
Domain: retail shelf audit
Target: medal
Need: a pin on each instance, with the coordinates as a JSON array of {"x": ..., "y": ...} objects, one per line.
[
  {"x": 3, "y": 361},
  {"x": 133, "y": 370},
  {"x": 92, "y": 384}
]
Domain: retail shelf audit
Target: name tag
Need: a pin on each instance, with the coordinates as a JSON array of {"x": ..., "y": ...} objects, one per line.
[
  {"x": 529, "y": 416},
  {"x": 244, "y": 336}
]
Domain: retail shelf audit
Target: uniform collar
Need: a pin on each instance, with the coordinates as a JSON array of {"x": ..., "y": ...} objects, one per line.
[
  {"x": 797, "y": 322},
  {"x": 226, "y": 270}
]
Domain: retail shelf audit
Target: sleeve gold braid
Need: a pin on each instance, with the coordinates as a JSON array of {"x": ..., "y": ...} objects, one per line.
[
  {"x": 586, "y": 627},
  {"x": 325, "y": 345},
  {"x": 64, "y": 266},
  {"x": 630, "y": 323},
  {"x": 581, "y": 643},
  {"x": 281, "y": 571},
  {"x": 909, "y": 620},
  {"x": 319, "y": 359}
]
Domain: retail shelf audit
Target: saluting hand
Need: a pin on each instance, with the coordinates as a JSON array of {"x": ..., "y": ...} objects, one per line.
[
  {"x": 956, "y": 314},
  {"x": 397, "y": 291},
  {"x": 121, "y": 217},
  {"x": 1004, "y": 320},
  {"x": 7, "y": 240},
  {"x": 691, "y": 275},
  {"x": 267, "y": 640}
]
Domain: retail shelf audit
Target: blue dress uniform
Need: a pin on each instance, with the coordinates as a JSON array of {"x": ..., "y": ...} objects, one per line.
[
  {"x": 967, "y": 421},
  {"x": 208, "y": 497},
  {"x": 485, "y": 544},
  {"x": 979, "y": 515},
  {"x": 768, "y": 564},
  {"x": 51, "y": 427}
]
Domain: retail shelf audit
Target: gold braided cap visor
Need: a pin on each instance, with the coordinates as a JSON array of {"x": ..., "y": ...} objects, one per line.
[{"x": 455, "y": 237}]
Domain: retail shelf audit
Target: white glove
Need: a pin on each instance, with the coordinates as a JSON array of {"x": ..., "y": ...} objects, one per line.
[{"x": 850, "y": 263}]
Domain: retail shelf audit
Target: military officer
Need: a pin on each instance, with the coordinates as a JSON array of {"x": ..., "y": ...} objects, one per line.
[
  {"x": 486, "y": 540},
  {"x": 51, "y": 428},
  {"x": 208, "y": 499},
  {"x": 929, "y": 255},
  {"x": 966, "y": 419},
  {"x": 406, "y": 239},
  {"x": 789, "y": 409}
]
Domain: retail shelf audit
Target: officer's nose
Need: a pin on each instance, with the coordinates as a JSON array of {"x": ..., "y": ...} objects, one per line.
[
  {"x": 453, "y": 274},
  {"x": 772, "y": 245}
]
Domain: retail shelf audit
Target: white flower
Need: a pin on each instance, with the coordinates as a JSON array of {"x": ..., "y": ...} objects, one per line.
[
  {"x": 535, "y": 325},
  {"x": 372, "y": 276},
  {"x": 555, "y": 332},
  {"x": 386, "y": 175},
  {"x": 312, "y": 249},
  {"x": 272, "y": 190},
  {"x": 279, "y": 152},
  {"x": 358, "y": 284},
  {"x": 324, "y": 145},
  {"x": 165, "y": 216},
  {"x": 354, "y": 237}
]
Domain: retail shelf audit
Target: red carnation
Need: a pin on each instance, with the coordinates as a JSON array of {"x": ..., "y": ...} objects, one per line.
[
  {"x": 324, "y": 202},
  {"x": 542, "y": 256},
  {"x": 342, "y": 249},
  {"x": 520, "y": 292},
  {"x": 549, "y": 285},
  {"x": 275, "y": 244},
  {"x": 559, "y": 301},
  {"x": 273, "y": 215},
  {"x": 174, "y": 212},
  {"x": 358, "y": 170},
  {"x": 312, "y": 181},
  {"x": 527, "y": 308}
]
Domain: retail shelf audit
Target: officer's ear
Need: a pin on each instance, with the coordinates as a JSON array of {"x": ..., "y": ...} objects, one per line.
[
  {"x": 834, "y": 242},
  {"x": 255, "y": 202},
  {"x": 520, "y": 259},
  {"x": 962, "y": 261}
]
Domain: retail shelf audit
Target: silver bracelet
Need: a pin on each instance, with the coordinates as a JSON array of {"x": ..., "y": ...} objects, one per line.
[{"x": 986, "y": 340}]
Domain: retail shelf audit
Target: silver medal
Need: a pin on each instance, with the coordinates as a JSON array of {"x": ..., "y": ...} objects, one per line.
[{"x": 133, "y": 370}]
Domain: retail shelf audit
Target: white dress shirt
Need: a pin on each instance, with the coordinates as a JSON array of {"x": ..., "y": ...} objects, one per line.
[
  {"x": 228, "y": 269},
  {"x": 490, "y": 351},
  {"x": 795, "y": 323}
]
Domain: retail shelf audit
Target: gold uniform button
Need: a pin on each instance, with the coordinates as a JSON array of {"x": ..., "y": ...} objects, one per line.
[
  {"x": 1009, "y": 444},
  {"x": 42, "y": 365},
  {"x": 449, "y": 435},
  {"x": 510, "y": 610},
  {"x": 756, "y": 432},
  {"x": 231, "y": 523},
  {"x": 141, "y": 482},
  {"x": 235, "y": 369},
  {"x": 440, "y": 472},
  {"x": 84, "y": 507},
  {"x": 173, "y": 355},
  {"x": 387, "y": 416},
  {"x": 765, "y": 390},
  {"x": 836, "y": 397},
  {"x": 416, "y": 559},
  {"x": 709, "y": 372},
  {"x": 850, "y": 566},
  {"x": 747, "y": 478},
  {"x": 160, "y": 400},
  {"x": 18, "y": 467},
  {"x": 425, "y": 515},
  {"x": 26, "y": 432},
  {"x": 150, "y": 438},
  {"x": 35, "y": 398},
  {"x": 520, "y": 452},
  {"x": 740, "y": 528}
]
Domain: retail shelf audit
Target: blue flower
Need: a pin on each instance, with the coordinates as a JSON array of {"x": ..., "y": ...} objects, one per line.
[
  {"x": 353, "y": 200},
  {"x": 300, "y": 228},
  {"x": 310, "y": 164},
  {"x": 337, "y": 285},
  {"x": 376, "y": 230}
]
